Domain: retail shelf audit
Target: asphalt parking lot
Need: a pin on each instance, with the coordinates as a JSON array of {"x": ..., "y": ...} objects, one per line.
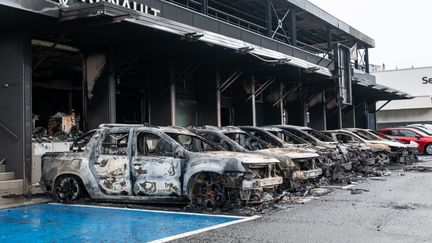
[{"x": 395, "y": 208}]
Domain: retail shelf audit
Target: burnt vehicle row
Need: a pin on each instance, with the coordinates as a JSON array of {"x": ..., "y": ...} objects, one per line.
[{"x": 207, "y": 166}]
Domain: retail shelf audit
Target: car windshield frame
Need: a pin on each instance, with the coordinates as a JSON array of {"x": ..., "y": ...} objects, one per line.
[
  {"x": 176, "y": 137},
  {"x": 243, "y": 141},
  {"x": 318, "y": 135}
]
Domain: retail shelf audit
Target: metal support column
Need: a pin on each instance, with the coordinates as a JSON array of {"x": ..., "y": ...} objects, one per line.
[
  {"x": 204, "y": 7},
  {"x": 340, "y": 118},
  {"x": 324, "y": 110},
  {"x": 253, "y": 103},
  {"x": 330, "y": 42},
  {"x": 282, "y": 112},
  {"x": 366, "y": 59},
  {"x": 172, "y": 96},
  {"x": 218, "y": 100},
  {"x": 112, "y": 98},
  {"x": 354, "y": 115},
  {"x": 293, "y": 27},
  {"x": 269, "y": 18},
  {"x": 366, "y": 114},
  {"x": 85, "y": 123}
]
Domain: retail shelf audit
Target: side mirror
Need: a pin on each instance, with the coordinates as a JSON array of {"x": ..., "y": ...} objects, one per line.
[
  {"x": 178, "y": 153},
  {"x": 418, "y": 136}
]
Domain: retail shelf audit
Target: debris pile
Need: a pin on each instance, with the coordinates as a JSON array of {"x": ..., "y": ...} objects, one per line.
[{"x": 61, "y": 127}]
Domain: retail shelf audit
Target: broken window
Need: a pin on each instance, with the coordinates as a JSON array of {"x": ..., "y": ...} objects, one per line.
[
  {"x": 302, "y": 136},
  {"x": 318, "y": 135},
  {"x": 152, "y": 145},
  {"x": 265, "y": 138},
  {"x": 115, "y": 143},
  {"x": 193, "y": 143},
  {"x": 247, "y": 141},
  {"x": 81, "y": 142},
  {"x": 343, "y": 138}
]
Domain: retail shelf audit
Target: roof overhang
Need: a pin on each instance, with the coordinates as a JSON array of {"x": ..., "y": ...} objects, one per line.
[
  {"x": 162, "y": 24},
  {"x": 333, "y": 21}
]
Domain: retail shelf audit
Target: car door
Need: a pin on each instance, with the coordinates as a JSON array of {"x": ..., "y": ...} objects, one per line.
[
  {"x": 155, "y": 170},
  {"x": 111, "y": 163}
]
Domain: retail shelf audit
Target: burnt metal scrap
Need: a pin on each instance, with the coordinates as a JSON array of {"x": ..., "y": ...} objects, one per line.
[
  {"x": 209, "y": 167},
  {"x": 155, "y": 164},
  {"x": 297, "y": 165}
]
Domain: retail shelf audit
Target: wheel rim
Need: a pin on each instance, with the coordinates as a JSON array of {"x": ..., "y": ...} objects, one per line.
[
  {"x": 382, "y": 159},
  {"x": 68, "y": 189},
  {"x": 210, "y": 194},
  {"x": 429, "y": 149}
]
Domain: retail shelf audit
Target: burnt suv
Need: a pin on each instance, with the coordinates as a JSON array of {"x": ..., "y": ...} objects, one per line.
[
  {"x": 156, "y": 164},
  {"x": 297, "y": 166}
]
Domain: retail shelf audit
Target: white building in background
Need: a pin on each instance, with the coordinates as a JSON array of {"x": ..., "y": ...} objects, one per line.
[{"x": 415, "y": 81}]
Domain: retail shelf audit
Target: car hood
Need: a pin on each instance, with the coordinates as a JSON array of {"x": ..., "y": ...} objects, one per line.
[
  {"x": 389, "y": 143},
  {"x": 247, "y": 158},
  {"x": 293, "y": 153}
]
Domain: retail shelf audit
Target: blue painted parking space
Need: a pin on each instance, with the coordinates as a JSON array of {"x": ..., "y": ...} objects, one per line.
[{"x": 72, "y": 223}]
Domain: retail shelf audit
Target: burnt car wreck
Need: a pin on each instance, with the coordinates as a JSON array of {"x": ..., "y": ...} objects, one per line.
[
  {"x": 298, "y": 165},
  {"x": 157, "y": 164}
]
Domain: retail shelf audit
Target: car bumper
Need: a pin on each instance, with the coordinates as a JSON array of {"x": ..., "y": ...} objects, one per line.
[
  {"x": 306, "y": 174},
  {"x": 255, "y": 184}
]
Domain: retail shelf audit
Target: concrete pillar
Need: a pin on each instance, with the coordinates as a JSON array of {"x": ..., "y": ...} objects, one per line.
[
  {"x": 16, "y": 103},
  {"x": 102, "y": 101},
  {"x": 324, "y": 110},
  {"x": 172, "y": 96},
  {"x": 218, "y": 100},
  {"x": 254, "y": 122}
]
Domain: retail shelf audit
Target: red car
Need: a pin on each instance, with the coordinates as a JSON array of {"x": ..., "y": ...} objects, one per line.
[{"x": 407, "y": 134}]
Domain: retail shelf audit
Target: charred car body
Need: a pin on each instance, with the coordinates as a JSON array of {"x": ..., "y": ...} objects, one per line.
[
  {"x": 399, "y": 152},
  {"x": 333, "y": 157},
  {"x": 369, "y": 153},
  {"x": 157, "y": 164},
  {"x": 298, "y": 166}
]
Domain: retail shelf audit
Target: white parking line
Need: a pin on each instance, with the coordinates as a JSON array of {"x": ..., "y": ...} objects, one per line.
[{"x": 183, "y": 235}]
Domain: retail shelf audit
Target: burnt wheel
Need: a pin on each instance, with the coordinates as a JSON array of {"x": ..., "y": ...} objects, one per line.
[
  {"x": 382, "y": 158},
  {"x": 428, "y": 149},
  {"x": 68, "y": 188},
  {"x": 209, "y": 192}
]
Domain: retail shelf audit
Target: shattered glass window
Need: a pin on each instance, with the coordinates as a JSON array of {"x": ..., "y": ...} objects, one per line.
[
  {"x": 115, "y": 143},
  {"x": 152, "y": 145},
  {"x": 288, "y": 137},
  {"x": 247, "y": 141},
  {"x": 193, "y": 143},
  {"x": 302, "y": 136},
  {"x": 365, "y": 135},
  {"x": 81, "y": 142},
  {"x": 343, "y": 138},
  {"x": 263, "y": 136},
  {"x": 318, "y": 135}
]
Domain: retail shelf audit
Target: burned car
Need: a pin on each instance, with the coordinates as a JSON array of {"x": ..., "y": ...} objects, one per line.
[
  {"x": 369, "y": 153},
  {"x": 157, "y": 164},
  {"x": 334, "y": 158},
  {"x": 297, "y": 166},
  {"x": 399, "y": 152}
]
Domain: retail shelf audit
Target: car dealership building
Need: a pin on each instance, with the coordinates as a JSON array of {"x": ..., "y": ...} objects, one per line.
[{"x": 179, "y": 62}]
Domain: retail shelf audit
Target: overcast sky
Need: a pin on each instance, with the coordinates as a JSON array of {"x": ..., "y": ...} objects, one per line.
[{"x": 402, "y": 29}]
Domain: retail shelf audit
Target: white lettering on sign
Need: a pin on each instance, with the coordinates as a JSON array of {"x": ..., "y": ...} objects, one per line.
[
  {"x": 124, "y": 3},
  {"x": 64, "y": 3}
]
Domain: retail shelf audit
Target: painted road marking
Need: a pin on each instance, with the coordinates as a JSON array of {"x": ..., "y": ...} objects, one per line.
[{"x": 72, "y": 223}]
